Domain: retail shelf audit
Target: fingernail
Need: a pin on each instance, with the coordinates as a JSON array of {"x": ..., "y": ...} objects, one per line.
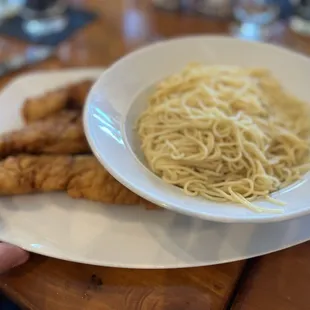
[{"x": 11, "y": 256}]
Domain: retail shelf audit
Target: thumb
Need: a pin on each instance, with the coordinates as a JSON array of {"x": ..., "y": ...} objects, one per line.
[{"x": 11, "y": 256}]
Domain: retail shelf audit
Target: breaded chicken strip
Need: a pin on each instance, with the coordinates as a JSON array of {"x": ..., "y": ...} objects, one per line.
[
  {"x": 61, "y": 134},
  {"x": 44, "y": 106},
  {"x": 69, "y": 97},
  {"x": 91, "y": 181},
  {"x": 78, "y": 93},
  {"x": 25, "y": 174},
  {"x": 80, "y": 176}
]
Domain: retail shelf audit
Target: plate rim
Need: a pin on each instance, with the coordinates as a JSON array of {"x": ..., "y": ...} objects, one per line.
[
  {"x": 51, "y": 253},
  {"x": 95, "y": 262}
]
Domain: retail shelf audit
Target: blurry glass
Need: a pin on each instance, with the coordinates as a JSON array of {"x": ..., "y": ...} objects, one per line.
[
  {"x": 214, "y": 8},
  {"x": 167, "y": 4},
  {"x": 9, "y": 8},
  {"x": 44, "y": 17},
  {"x": 300, "y": 21},
  {"x": 253, "y": 17}
]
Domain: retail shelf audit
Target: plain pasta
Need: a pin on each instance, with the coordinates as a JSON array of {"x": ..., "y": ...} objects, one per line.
[{"x": 225, "y": 133}]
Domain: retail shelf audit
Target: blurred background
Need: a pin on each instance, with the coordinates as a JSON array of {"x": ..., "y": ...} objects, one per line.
[
  {"x": 44, "y": 17},
  {"x": 42, "y": 28}
]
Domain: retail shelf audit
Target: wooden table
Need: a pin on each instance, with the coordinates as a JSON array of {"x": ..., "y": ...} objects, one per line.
[{"x": 276, "y": 281}]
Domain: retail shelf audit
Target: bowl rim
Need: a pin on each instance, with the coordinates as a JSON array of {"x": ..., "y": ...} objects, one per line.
[{"x": 263, "y": 217}]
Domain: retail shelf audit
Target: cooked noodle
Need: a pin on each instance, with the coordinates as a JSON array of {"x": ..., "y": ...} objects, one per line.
[{"x": 225, "y": 133}]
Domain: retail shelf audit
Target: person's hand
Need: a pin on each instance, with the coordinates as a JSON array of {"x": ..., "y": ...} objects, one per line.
[{"x": 11, "y": 256}]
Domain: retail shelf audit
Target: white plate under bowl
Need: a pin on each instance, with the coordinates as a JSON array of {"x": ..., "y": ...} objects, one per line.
[
  {"x": 82, "y": 231},
  {"x": 120, "y": 95}
]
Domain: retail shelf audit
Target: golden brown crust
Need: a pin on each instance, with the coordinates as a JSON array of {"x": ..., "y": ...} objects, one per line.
[
  {"x": 78, "y": 93},
  {"x": 27, "y": 174},
  {"x": 49, "y": 104},
  {"x": 54, "y": 127},
  {"x": 80, "y": 176},
  {"x": 41, "y": 107},
  {"x": 61, "y": 134},
  {"x": 91, "y": 181}
]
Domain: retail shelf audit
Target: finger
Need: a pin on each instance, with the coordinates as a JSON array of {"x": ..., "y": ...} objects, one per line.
[{"x": 11, "y": 256}]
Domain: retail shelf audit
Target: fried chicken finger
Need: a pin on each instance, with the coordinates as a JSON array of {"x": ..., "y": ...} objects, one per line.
[
  {"x": 44, "y": 106},
  {"x": 49, "y": 104},
  {"x": 62, "y": 134},
  {"x": 79, "y": 176},
  {"x": 78, "y": 93}
]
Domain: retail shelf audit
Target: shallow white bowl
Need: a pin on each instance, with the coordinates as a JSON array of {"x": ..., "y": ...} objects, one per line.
[{"x": 120, "y": 95}]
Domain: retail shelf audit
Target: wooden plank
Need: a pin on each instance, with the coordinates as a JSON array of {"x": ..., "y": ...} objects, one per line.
[
  {"x": 45, "y": 283},
  {"x": 277, "y": 281}
]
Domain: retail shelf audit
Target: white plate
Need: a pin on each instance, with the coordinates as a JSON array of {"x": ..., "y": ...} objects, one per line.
[
  {"x": 93, "y": 233},
  {"x": 120, "y": 95}
]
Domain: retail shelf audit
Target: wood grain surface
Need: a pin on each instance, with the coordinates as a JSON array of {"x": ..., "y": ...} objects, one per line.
[
  {"x": 278, "y": 281},
  {"x": 51, "y": 284}
]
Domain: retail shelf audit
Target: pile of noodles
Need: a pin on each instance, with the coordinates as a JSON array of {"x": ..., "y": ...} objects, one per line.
[{"x": 225, "y": 133}]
